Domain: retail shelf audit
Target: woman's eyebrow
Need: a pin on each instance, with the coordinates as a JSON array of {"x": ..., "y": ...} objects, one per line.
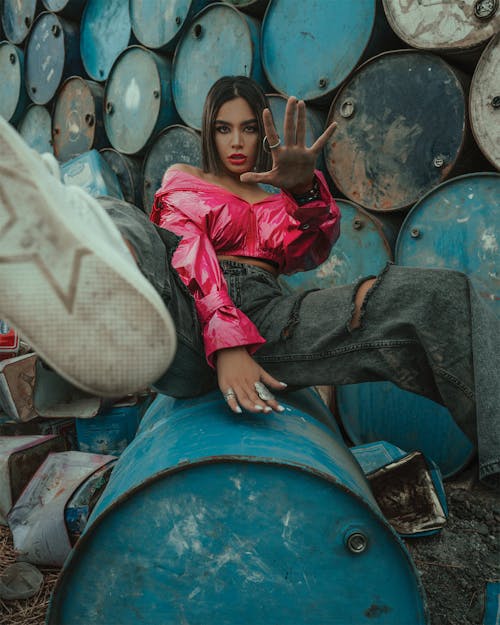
[{"x": 247, "y": 121}]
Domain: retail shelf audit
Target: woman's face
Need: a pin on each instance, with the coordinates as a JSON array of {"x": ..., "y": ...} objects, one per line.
[{"x": 237, "y": 138}]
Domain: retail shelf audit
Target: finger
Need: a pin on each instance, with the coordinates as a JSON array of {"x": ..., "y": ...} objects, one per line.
[
  {"x": 269, "y": 127},
  {"x": 273, "y": 383},
  {"x": 250, "y": 401},
  {"x": 232, "y": 402},
  {"x": 301, "y": 123},
  {"x": 265, "y": 177},
  {"x": 265, "y": 395},
  {"x": 322, "y": 139},
  {"x": 289, "y": 131}
]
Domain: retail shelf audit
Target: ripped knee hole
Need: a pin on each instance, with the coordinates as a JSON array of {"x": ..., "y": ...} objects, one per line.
[{"x": 359, "y": 300}]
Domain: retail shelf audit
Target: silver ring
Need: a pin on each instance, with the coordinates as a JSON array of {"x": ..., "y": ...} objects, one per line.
[
  {"x": 263, "y": 392},
  {"x": 228, "y": 394},
  {"x": 267, "y": 146}
]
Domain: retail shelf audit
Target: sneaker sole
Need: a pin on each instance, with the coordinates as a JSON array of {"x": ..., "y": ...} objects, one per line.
[{"x": 86, "y": 311}]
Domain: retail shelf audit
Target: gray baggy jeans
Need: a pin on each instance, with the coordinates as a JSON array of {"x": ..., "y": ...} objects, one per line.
[{"x": 426, "y": 330}]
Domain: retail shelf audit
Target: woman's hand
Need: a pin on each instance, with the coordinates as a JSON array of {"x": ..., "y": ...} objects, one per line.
[
  {"x": 293, "y": 162},
  {"x": 244, "y": 383}
]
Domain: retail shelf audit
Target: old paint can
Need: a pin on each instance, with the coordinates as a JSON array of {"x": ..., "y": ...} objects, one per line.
[
  {"x": 41, "y": 425},
  {"x": 362, "y": 249},
  {"x": 71, "y": 9},
  {"x": 20, "y": 457},
  {"x": 109, "y": 432},
  {"x": 158, "y": 24},
  {"x": 331, "y": 38},
  {"x": 138, "y": 99},
  {"x": 77, "y": 121},
  {"x": 13, "y": 96},
  {"x": 175, "y": 144},
  {"x": 91, "y": 172},
  {"x": 105, "y": 32},
  {"x": 128, "y": 170},
  {"x": 37, "y": 519},
  {"x": 52, "y": 54},
  {"x": 220, "y": 41},
  {"x": 236, "y": 517},
  {"x": 401, "y": 129},
  {"x": 17, "y": 18},
  {"x": 35, "y": 128},
  {"x": 484, "y": 102}
]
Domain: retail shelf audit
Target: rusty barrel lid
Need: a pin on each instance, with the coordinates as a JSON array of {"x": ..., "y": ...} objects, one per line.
[
  {"x": 138, "y": 99},
  {"x": 36, "y": 128},
  {"x": 401, "y": 126},
  {"x": 52, "y": 54},
  {"x": 158, "y": 24},
  {"x": 175, "y": 144},
  {"x": 17, "y": 18},
  {"x": 77, "y": 124},
  {"x": 484, "y": 102},
  {"x": 129, "y": 174},
  {"x": 105, "y": 31},
  {"x": 443, "y": 25},
  {"x": 13, "y": 96},
  {"x": 220, "y": 41}
]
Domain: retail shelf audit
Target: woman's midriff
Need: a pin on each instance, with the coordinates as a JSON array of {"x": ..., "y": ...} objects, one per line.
[{"x": 247, "y": 260}]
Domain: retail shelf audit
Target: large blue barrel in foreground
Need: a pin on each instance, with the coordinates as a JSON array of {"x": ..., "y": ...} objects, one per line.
[{"x": 212, "y": 517}]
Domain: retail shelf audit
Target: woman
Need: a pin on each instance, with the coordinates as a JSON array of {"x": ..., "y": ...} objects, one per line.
[{"x": 227, "y": 240}]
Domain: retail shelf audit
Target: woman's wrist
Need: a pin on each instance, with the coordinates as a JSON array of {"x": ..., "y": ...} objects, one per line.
[
  {"x": 310, "y": 194},
  {"x": 303, "y": 188}
]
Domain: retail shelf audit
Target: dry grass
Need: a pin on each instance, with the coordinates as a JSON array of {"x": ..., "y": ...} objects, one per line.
[{"x": 26, "y": 611}]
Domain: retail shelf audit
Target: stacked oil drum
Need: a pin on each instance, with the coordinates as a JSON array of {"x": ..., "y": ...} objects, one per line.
[{"x": 203, "y": 519}]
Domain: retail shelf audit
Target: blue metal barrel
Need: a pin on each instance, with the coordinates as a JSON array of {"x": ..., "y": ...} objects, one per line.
[
  {"x": 52, "y": 54},
  {"x": 220, "y": 41},
  {"x": 158, "y": 24},
  {"x": 36, "y": 128},
  {"x": 175, "y": 144},
  {"x": 13, "y": 96},
  {"x": 138, "y": 99},
  {"x": 484, "y": 102},
  {"x": 77, "y": 121},
  {"x": 401, "y": 128},
  {"x": 110, "y": 431},
  {"x": 17, "y": 18},
  {"x": 209, "y": 517},
  {"x": 329, "y": 38},
  {"x": 105, "y": 32},
  {"x": 129, "y": 174},
  {"x": 68, "y": 8},
  {"x": 362, "y": 250}
]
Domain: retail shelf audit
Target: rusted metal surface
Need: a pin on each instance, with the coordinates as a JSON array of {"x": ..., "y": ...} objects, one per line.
[
  {"x": 401, "y": 129},
  {"x": 77, "y": 124},
  {"x": 17, "y": 381},
  {"x": 13, "y": 96},
  {"x": 484, "y": 102},
  {"x": 444, "y": 25},
  {"x": 17, "y": 18}
]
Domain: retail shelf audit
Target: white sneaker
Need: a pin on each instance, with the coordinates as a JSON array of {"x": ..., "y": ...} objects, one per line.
[{"x": 68, "y": 289}]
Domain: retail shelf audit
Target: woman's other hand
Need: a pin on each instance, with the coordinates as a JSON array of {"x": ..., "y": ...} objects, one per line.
[
  {"x": 244, "y": 383},
  {"x": 293, "y": 162}
]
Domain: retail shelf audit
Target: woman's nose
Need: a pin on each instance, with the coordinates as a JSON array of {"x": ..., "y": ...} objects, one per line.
[{"x": 236, "y": 138}]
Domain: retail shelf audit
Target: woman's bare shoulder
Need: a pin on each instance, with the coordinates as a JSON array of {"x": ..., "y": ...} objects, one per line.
[{"x": 187, "y": 169}]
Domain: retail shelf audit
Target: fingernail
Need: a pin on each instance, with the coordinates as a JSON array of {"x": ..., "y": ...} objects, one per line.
[
  {"x": 283, "y": 384},
  {"x": 238, "y": 409},
  {"x": 268, "y": 409},
  {"x": 258, "y": 407},
  {"x": 281, "y": 408}
]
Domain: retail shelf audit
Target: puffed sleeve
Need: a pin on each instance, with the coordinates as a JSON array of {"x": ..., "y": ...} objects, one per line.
[
  {"x": 223, "y": 325},
  {"x": 314, "y": 227}
]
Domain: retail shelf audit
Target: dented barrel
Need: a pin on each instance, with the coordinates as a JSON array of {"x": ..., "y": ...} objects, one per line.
[
  {"x": 36, "y": 128},
  {"x": 175, "y": 144},
  {"x": 78, "y": 119},
  {"x": 13, "y": 96},
  {"x": 220, "y": 41},
  {"x": 401, "y": 129},
  {"x": 138, "y": 99},
  {"x": 17, "y": 18},
  {"x": 105, "y": 32},
  {"x": 52, "y": 54},
  {"x": 210, "y": 518}
]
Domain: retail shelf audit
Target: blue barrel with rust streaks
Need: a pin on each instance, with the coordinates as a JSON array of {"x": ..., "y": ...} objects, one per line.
[
  {"x": 110, "y": 431},
  {"x": 105, "y": 32},
  {"x": 220, "y": 41},
  {"x": 17, "y": 18},
  {"x": 361, "y": 250},
  {"x": 212, "y": 517},
  {"x": 13, "y": 96},
  {"x": 52, "y": 54},
  {"x": 77, "y": 121},
  {"x": 329, "y": 38},
  {"x": 35, "y": 128},
  {"x": 401, "y": 129},
  {"x": 71, "y": 9},
  {"x": 158, "y": 24},
  {"x": 138, "y": 99},
  {"x": 128, "y": 170},
  {"x": 175, "y": 144}
]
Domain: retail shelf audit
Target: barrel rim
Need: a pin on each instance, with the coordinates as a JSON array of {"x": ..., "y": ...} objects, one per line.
[{"x": 28, "y": 30}]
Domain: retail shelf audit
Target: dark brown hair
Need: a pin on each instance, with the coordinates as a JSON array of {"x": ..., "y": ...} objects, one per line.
[{"x": 222, "y": 91}]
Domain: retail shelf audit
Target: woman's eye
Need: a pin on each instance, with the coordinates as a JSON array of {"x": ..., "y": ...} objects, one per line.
[
  {"x": 222, "y": 129},
  {"x": 251, "y": 129}
]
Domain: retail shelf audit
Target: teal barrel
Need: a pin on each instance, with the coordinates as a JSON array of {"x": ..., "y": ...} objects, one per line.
[
  {"x": 212, "y": 517},
  {"x": 17, "y": 19},
  {"x": 220, "y": 41},
  {"x": 110, "y": 431},
  {"x": 13, "y": 96},
  {"x": 35, "y": 128}
]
